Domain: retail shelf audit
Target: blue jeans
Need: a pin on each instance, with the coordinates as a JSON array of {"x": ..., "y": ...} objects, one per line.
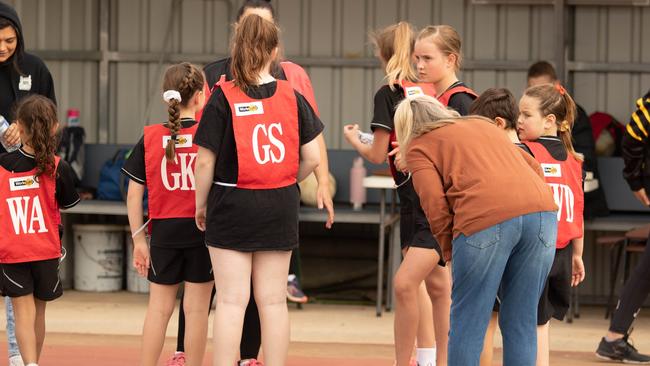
[
  {"x": 511, "y": 259},
  {"x": 11, "y": 329}
]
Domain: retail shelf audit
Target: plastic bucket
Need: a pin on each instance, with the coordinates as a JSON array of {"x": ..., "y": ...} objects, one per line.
[{"x": 98, "y": 257}]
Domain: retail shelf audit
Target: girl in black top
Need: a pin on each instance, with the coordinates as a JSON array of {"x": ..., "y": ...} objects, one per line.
[
  {"x": 21, "y": 73},
  {"x": 414, "y": 318},
  {"x": 31, "y": 248},
  {"x": 438, "y": 55},
  {"x": 163, "y": 162},
  {"x": 251, "y": 220}
]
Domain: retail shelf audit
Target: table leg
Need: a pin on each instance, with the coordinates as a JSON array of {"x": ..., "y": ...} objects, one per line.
[{"x": 380, "y": 255}]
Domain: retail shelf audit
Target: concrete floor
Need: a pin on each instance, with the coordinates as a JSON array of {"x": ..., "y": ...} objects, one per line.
[{"x": 108, "y": 326}]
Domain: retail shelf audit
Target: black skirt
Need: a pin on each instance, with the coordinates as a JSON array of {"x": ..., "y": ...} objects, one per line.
[{"x": 250, "y": 220}]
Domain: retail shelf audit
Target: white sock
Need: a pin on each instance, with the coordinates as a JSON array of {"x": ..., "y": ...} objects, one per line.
[
  {"x": 426, "y": 356},
  {"x": 291, "y": 277},
  {"x": 32, "y": 364}
]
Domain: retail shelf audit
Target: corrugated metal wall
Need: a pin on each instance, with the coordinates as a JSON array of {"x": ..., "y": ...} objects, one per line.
[
  {"x": 326, "y": 28},
  {"x": 615, "y": 34}
]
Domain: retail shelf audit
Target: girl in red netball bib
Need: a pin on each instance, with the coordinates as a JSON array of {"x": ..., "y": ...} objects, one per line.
[
  {"x": 546, "y": 115},
  {"x": 163, "y": 162},
  {"x": 34, "y": 185},
  {"x": 438, "y": 58},
  {"x": 414, "y": 317},
  {"x": 256, "y": 141}
]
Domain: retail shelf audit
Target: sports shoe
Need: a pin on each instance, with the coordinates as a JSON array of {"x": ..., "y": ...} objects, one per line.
[
  {"x": 294, "y": 292},
  {"x": 621, "y": 350},
  {"x": 177, "y": 360},
  {"x": 250, "y": 362},
  {"x": 16, "y": 361}
]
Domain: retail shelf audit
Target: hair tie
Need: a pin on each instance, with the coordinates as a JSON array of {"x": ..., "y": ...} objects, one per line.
[
  {"x": 564, "y": 126},
  {"x": 560, "y": 89},
  {"x": 171, "y": 94}
]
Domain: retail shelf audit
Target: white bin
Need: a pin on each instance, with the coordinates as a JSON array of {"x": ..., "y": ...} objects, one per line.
[
  {"x": 98, "y": 257},
  {"x": 134, "y": 282}
]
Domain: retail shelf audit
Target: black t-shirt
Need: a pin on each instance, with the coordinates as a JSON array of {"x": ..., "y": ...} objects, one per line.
[
  {"x": 247, "y": 219},
  {"x": 169, "y": 233},
  {"x": 385, "y": 103},
  {"x": 19, "y": 161},
  {"x": 460, "y": 102}
]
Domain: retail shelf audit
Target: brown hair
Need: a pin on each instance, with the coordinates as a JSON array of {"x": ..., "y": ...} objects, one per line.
[
  {"x": 554, "y": 99},
  {"x": 187, "y": 79},
  {"x": 395, "y": 44},
  {"x": 37, "y": 115},
  {"x": 542, "y": 68},
  {"x": 446, "y": 39},
  {"x": 4, "y": 23},
  {"x": 497, "y": 102},
  {"x": 252, "y": 48}
]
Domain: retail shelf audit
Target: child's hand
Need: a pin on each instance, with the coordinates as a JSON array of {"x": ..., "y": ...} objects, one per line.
[
  {"x": 400, "y": 163},
  {"x": 351, "y": 132},
  {"x": 199, "y": 218},
  {"x": 578, "y": 271},
  {"x": 141, "y": 258},
  {"x": 12, "y": 135}
]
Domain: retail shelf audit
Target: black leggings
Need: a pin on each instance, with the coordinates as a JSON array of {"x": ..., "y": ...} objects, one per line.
[
  {"x": 634, "y": 294},
  {"x": 251, "y": 339}
]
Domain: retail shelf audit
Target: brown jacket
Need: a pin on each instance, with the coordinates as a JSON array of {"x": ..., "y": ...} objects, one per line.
[{"x": 469, "y": 176}]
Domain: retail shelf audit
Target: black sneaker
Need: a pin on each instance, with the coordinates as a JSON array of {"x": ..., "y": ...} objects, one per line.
[{"x": 621, "y": 350}]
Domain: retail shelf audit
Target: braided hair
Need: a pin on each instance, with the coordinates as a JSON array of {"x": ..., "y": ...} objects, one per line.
[{"x": 186, "y": 79}]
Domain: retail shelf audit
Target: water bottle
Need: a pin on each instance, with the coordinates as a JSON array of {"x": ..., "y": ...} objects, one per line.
[
  {"x": 4, "y": 126},
  {"x": 357, "y": 190},
  {"x": 73, "y": 117},
  {"x": 366, "y": 138}
]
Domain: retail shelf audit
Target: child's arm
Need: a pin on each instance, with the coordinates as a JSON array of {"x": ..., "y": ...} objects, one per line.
[
  {"x": 309, "y": 158},
  {"x": 578, "y": 266},
  {"x": 136, "y": 213},
  {"x": 203, "y": 174},
  {"x": 377, "y": 151}
]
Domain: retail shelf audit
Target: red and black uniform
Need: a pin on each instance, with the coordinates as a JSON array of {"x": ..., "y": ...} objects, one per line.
[
  {"x": 178, "y": 252},
  {"x": 256, "y": 136},
  {"x": 31, "y": 224},
  {"x": 459, "y": 97},
  {"x": 414, "y": 226},
  {"x": 565, "y": 176}
]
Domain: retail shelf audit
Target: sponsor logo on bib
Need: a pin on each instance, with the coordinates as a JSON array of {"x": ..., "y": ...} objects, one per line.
[
  {"x": 181, "y": 140},
  {"x": 412, "y": 91},
  {"x": 247, "y": 109},
  {"x": 23, "y": 183},
  {"x": 552, "y": 170}
]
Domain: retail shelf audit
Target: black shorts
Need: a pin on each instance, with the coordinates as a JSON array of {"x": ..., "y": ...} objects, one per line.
[
  {"x": 40, "y": 278},
  {"x": 554, "y": 302},
  {"x": 414, "y": 226},
  {"x": 170, "y": 266}
]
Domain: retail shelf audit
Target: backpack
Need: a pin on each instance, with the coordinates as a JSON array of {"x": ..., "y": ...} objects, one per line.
[
  {"x": 608, "y": 134},
  {"x": 112, "y": 184}
]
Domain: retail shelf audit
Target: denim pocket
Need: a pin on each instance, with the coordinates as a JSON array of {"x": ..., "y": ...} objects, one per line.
[
  {"x": 485, "y": 238},
  {"x": 548, "y": 228}
]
